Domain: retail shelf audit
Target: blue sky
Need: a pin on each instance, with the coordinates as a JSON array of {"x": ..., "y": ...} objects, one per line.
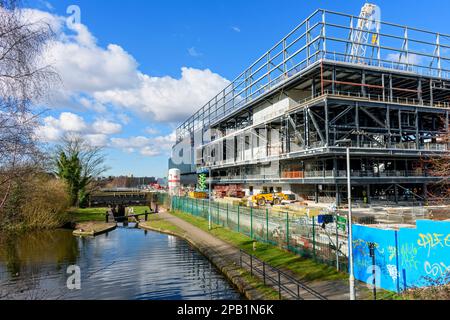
[{"x": 153, "y": 41}]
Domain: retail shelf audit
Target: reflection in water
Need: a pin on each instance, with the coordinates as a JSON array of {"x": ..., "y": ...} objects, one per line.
[
  {"x": 38, "y": 249},
  {"x": 124, "y": 264}
]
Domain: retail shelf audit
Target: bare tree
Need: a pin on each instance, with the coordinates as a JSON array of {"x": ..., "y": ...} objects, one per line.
[
  {"x": 439, "y": 166},
  {"x": 23, "y": 82},
  {"x": 79, "y": 163}
]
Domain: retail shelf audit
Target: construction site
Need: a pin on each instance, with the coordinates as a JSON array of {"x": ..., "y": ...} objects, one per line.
[{"x": 279, "y": 133}]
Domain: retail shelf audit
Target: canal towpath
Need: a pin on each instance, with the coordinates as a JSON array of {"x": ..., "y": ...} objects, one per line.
[{"x": 225, "y": 256}]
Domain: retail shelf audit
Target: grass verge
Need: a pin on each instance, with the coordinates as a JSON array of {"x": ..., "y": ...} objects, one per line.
[
  {"x": 158, "y": 223},
  {"x": 305, "y": 269},
  {"x": 268, "y": 292}
]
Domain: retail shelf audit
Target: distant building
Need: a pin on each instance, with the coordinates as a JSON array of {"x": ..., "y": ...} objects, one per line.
[
  {"x": 162, "y": 182},
  {"x": 131, "y": 182}
]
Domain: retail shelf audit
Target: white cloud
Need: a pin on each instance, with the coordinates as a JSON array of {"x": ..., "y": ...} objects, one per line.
[
  {"x": 31, "y": 16},
  {"x": 151, "y": 131},
  {"x": 46, "y": 4},
  {"x": 97, "y": 78},
  {"x": 106, "y": 127},
  {"x": 410, "y": 59},
  {"x": 236, "y": 29},
  {"x": 167, "y": 99},
  {"x": 194, "y": 53},
  {"x": 97, "y": 132},
  {"x": 91, "y": 104},
  {"x": 107, "y": 82},
  {"x": 69, "y": 122},
  {"x": 86, "y": 68},
  {"x": 145, "y": 146},
  {"x": 49, "y": 133},
  {"x": 97, "y": 140}
]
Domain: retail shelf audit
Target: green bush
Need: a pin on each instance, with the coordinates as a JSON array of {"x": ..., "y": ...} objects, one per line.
[{"x": 39, "y": 202}]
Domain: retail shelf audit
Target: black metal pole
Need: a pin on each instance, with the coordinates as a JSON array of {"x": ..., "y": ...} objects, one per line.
[
  {"x": 372, "y": 247},
  {"x": 374, "y": 279},
  {"x": 279, "y": 285},
  {"x": 264, "y": 272}
]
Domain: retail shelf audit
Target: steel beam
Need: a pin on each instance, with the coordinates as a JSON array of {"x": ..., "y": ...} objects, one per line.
[{"x": 316, "y": 125}]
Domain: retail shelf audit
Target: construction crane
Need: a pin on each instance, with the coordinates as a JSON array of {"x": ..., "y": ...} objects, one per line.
[{"x": 368, "y": 24}]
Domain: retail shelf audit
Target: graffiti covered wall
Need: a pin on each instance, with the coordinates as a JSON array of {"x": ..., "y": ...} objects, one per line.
[{"x": 405, "y": 258}]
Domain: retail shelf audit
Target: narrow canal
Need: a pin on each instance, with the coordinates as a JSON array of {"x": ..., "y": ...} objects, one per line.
[{"x": 125, "y": 264}]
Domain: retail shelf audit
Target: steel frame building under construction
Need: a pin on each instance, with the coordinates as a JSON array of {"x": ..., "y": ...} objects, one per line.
[{"x": 280, "y": 125}]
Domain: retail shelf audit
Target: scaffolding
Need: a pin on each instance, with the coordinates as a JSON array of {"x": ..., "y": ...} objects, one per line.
[
  {"x": 383, "y": 87},
  {"x": 327, "y": 36}
]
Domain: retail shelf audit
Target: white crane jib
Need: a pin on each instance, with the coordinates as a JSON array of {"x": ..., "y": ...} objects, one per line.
[{"x": 368, "y": 24}]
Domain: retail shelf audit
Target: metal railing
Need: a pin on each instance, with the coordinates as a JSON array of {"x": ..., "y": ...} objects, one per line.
[
  {"x": 287, "y": 285},
  {"x": 296, "y": 232},
  {"x": 324, "y": 35},
  {"x": 328, "y": 174},
  {"x": 381, "y": 98}
]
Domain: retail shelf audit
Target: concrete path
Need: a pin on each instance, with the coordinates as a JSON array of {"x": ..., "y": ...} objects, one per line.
[{"x": 332, "y": 290}]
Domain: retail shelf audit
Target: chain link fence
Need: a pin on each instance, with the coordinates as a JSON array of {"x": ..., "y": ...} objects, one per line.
[{"x": 323, "y": 238}]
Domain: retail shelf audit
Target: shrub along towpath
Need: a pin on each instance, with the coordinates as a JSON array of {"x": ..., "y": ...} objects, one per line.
[{"x": 225, "y": 245}]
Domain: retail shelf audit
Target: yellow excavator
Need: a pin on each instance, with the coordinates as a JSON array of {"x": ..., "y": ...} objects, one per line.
[{"x": 269, "y": 198}]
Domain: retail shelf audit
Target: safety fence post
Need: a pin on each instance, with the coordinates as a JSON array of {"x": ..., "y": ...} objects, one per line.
[
  {"x": 267, "y": 225},
  {"x": 337, "y": 243},
  {"x": 314, "y": 237},
  {"x": 218, "y": 213},
  {"x": 264, "y": 272},
  {"x": 251, "y": 222},
  {"x": 287, "y": 230},
  {"x": 239, "y": 218},
  {"x": 228, "y": 218},
  {"x": 279, "y": 285}
]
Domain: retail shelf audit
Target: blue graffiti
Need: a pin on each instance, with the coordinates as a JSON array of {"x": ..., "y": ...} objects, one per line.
[{"x": 406, "y": 258}]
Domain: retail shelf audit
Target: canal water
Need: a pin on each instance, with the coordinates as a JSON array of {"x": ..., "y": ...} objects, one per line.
[{"x": 125, "y": 264}]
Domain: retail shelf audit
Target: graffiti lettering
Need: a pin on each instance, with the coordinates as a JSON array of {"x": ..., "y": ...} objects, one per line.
[
  {"x": 432, "y": 241},
  {"x": 408, "y": 254},
  {"x": 393, "y": 272},
  {"x": 436, "y": 269},
  {"x": 370, "y": 279},
  {"x": 392, "y": 252},
  {"x": 362, "y": 246}
]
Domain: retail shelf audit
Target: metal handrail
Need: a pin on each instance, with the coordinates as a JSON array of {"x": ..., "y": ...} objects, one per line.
[{"x": 278, "y": 282}]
